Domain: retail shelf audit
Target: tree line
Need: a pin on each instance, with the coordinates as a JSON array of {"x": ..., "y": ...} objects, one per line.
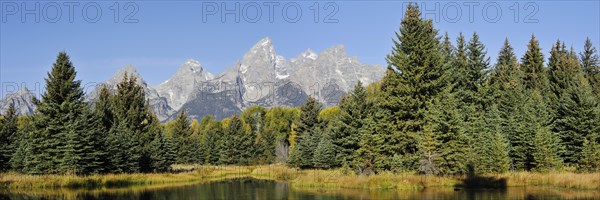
[{"x": 440, "y": 109}]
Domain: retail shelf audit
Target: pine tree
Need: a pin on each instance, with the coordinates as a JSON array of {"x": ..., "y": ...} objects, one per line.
[
  {"x": 590, "y": 156},
  {"x": 62, "y": 141},
  {"x": 183, "y": 140},
  {"x": 429, "y": 163},
  {"x": 229, "y": 146},
  {"x": 591, "y": 66},
  {"x": 578, "y": 117},
  {"x": 545, "y": 153},
  {"x": 459, "y": 72},
  {"x": 163, "y": 153},
  {"x": 446, "y": 124},
  {"x": 122, "y": 158},
  {"x": 345, "y": 129},
  {"x": 576, "y": 110},
  {"x": 324, "y": 156},
  {"x": 136, "y": 119},
  {"x": 492, "y": 149},
  {"x": 415, "y": 74},
  {"x": 22, "y": 145},
  {"x": 307, "y": 139},
  {"x": 8, "y": 137},
  {"x": 210, "y": 140},
  {"x": 533, "y": 118},
  {"x": 532, "y": 65},
  {"x": 478, "y": 63},
  {"x": 262, "y": 148},
  {"x": 447, "y": 52}
]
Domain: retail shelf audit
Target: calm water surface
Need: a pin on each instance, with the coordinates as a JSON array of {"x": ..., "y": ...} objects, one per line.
[{"x": 262, "y": 189}]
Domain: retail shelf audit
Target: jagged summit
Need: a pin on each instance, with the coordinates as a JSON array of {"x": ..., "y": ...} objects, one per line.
[
  {"x": 260, "y": 77},
  {"x": 22, "y": 99},
  {"x": 159, "y": 104},
  {"x": 130, "y": 70},
  {"x": 181, "y": 85}
]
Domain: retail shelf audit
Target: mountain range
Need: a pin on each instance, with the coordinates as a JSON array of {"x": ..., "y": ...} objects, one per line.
[{"x": 260, "y": 77}]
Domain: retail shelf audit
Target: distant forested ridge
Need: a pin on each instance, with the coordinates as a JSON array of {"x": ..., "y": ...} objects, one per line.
[{"x": 441, "y": 109}]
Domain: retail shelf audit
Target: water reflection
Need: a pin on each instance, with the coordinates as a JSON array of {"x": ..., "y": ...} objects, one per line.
[{"x": 262, "y": 189}]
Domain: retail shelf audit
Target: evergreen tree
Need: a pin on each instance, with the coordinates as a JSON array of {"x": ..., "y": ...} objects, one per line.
[
  {"x": 308, "y": 138},
  {"x": 62, "y": 141},
  {"x": 447, "y": 49},
  {"x": 163, "y": 153},
  {"x": 576, "y": 110},
  {"x": 445, "y": 119},
  {"x": 533, "y": 119},
  {"x": 492, "y": 146},
  {"x": 21, "y": 145},
  {"x": 415, "y": 74},
  {"x": 262, "y": 147},
  {"x": 230, "y": 146},
  {"x": 183, "y": 141},
  {"x": 590, "y": 156},
  {"x": 532, "y": 65},
  {"x": 545, "y": 153},
  {"x": 591, "y": 66},
  {"x": 324, "y": 156},
  {"x": 8, "y": 137},
  {"x": 429, "y": 152},
  {"x": 460, "y": 66},
  {"x": 136, "y": 119},
  {"x": 577, "y": 118},
  {"x": 210, "y": 141},
  {"x": 478, "y": 63},
  {"x": 345, "y": 129},
  {"x": 122, "y": 152}
]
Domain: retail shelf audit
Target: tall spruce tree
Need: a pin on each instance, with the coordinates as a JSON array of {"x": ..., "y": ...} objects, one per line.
[
  {"x": 371, "y": 156},
  {"x": 62, "y": 141},
  {"x": 492, "y": 146},
  {"x": 133, "y": 120},
  {"x": 308, "y": 137},
  {"x": 446, "y": 123},
  {"x": 324, "y": 156},
  {"x": 415, "y": 74},
  {"x": 8, "y": 137},
  {"x": 478, "y": 63},
  {"x": 533, "y": 118},
  {"x": 460, "y": 66},
  {"x": 590, "y": 156},
  {"x": 210, "y": 140},
  {"x": 234, "y": 142},
  {"x": 545, "y": 152},
  {"x": 532, "y": 65},
  {"x": 182, "y": 135},
  {"x": 345, "y": 129},
  {"x": 262, "y": 148},
  {"x": 576, "y": 110},
  {"x": 590, "y": 62}
]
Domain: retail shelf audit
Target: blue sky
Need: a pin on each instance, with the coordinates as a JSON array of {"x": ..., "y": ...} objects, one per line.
[{"x": 161, "y": 35}]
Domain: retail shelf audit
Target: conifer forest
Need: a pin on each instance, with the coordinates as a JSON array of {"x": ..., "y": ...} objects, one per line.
[{"x": 441, "y": 109}]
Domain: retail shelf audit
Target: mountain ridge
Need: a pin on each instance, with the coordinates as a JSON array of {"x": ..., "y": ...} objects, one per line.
[{"x": 260, "y": 77}]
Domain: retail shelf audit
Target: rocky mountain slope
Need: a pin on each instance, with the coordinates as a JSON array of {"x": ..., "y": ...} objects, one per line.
[
  {"x": 260, "y": 77},
  {"x": 23, "y": 100}
]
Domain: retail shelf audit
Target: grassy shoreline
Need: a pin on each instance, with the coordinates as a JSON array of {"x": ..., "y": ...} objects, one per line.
[{"x": 324, "y": 179}]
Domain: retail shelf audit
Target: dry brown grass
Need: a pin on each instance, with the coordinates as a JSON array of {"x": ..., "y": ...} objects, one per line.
[{"x": 314, "y": 178}]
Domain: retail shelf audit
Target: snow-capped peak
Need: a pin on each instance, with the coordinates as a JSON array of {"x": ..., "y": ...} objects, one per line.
[{"x": 310, "y": 54}]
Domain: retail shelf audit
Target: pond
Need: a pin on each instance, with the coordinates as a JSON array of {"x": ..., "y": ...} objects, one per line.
[{"x": 262, "y": 189}]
